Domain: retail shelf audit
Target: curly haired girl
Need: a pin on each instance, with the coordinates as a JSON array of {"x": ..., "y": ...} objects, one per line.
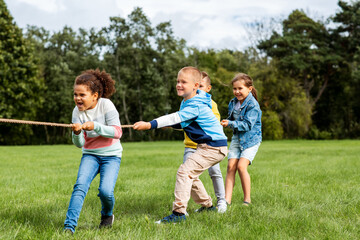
[{"x": 97, "y": 130}]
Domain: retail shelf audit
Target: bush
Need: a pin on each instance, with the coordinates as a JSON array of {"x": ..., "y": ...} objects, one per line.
[
  {"x": 316, "y": 134},
  {"x": 271, "y": 126}
]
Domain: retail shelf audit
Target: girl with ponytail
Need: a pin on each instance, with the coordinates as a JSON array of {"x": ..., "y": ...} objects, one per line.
[
  {"x": 97, "y": 130},
  {"x": 244, "y": 119}
]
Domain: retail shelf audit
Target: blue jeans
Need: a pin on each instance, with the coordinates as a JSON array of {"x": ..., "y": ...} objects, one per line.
[{"x": 90, "y": 166}]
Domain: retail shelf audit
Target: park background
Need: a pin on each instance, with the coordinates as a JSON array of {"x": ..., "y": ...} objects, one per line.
[
  {"x": 307, "y": 74},
  {"x": 306, "y": 71}
]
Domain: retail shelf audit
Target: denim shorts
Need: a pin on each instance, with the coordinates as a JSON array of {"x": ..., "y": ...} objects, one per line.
[{"x": 235, "y": 151}]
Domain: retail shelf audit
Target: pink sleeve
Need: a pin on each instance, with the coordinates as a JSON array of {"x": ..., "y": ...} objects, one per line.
[{"x": 118, "y": 132}]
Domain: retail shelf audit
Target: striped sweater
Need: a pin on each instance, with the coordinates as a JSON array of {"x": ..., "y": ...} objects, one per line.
[{"x": 104, "y": 140}]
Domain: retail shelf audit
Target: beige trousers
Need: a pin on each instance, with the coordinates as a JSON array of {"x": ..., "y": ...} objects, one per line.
[{"x": 187, "y": 177}]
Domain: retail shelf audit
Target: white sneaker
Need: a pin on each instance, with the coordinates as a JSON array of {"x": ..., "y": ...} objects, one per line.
[{"x": 222, "y": 207}]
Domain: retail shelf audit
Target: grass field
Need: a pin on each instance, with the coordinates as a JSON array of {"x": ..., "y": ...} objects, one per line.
[{"x": 300, "y": 190}]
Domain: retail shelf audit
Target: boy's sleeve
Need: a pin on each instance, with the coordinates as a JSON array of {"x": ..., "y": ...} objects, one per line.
[
  {"x": 172, "y": 119},
  {"x": 248, "y": 122},
  {"x": 179, "y": 119},
  {"x": 113, "y": 127}
]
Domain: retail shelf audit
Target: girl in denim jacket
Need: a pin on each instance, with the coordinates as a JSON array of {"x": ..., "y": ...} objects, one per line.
[{"x": 245, "y": 120}]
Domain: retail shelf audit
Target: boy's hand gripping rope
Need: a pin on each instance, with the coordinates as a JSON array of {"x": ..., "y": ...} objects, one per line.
[{"x": 45, "y": 123}]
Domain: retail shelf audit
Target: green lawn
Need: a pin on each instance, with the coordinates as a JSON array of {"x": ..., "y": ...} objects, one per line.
[{"x": 300, "y": 190}]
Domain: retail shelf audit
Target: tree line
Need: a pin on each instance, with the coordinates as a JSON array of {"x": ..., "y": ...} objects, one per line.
[{"x": 306, "y": 71}]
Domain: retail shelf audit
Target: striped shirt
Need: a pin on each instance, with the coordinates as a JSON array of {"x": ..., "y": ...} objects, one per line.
[{"x": 104, "y": 140}]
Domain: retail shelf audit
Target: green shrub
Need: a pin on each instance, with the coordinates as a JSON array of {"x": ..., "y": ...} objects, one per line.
[
  {"x": 316, "y": 134},
  {"x": 271, "y": 126}
]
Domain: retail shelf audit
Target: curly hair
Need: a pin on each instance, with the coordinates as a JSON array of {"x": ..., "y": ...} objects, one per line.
[{"x": 97, "y": 81}]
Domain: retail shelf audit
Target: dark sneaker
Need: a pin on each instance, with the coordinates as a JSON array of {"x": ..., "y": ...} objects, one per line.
[
  {"x": 68, "y": 231},
  {"x": 202, "y": 209},
  {"x": 172, "y": 218},
  {"x": 106, "y": 221}
]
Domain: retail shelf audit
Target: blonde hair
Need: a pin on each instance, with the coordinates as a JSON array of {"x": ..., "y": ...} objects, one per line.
[
  {"x": 247, "y": 81},
  {"x": 193, "y": 72}
]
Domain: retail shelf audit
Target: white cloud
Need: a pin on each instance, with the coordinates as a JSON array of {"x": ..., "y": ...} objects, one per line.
[
  {"x": 50, "y": 6},
  {"x": 202, "y": 23}
]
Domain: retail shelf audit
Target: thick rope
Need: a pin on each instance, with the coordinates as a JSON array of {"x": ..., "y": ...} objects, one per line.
[{"x": 45, "y": 123}]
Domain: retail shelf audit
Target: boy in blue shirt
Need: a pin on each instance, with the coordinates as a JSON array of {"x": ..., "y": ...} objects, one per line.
[
  {"x": 190, "y": 148},
  {"x": 201, "y": 126}
]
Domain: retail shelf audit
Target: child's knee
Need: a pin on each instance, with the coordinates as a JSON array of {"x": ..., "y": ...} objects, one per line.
[
  {"x": 231, "y": 167},
  {"x": 243, "y": 165},
  {"x": 105, "y": 193},
  {"x": 182, "y": 171},
  {"x": 214, "y": 173},
  {"x": 242, "y": 168},
  {"x": 189, "y": 168},
  {"x": 81, "y": 187},
  {"x": 185, "y": 175}
]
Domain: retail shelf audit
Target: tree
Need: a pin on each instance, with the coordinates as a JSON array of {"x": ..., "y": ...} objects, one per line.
[
  {"x": 345, "y": 118},
  {"x": 304, "y": 52},
  {"x": 130, "y": 60},
  {"x": 63, "y": 55},
  {"x": 170, "y": 59},
  {"x": 142, "y": 60},
  {"x": 281, "y": 95},
  {"x": 348, "y": 28},
  {"x": 20, "y": 84}
]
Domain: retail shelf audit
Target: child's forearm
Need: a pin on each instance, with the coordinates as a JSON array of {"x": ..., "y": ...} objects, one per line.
[
  {"x": 79, "y": 139},
  {"x": 242, "y": 126},
  {"x": 167, "y": 120},
  {"x": 247, "y": 122},
  {"x": 141, "y": 126},
  {"x": 108, "y": 131}
]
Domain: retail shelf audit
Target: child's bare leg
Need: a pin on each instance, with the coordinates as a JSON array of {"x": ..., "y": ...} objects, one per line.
[
  {"x": 230, "y": 178},
  {"x": 245, "y": 178}
]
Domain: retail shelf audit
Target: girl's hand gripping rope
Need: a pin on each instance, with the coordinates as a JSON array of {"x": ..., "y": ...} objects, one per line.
[
  {"x": 141, "y": 126},
  {"x": 88, "y": 126},
  {"x": 224, "y": 123},
  {"x": 76, "y": 127}
]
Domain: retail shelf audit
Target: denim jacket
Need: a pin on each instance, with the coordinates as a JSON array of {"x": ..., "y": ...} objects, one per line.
[{"x": 248, "y": 126}]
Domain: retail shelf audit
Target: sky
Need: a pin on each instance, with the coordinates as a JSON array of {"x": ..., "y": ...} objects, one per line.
[{"x": 216, "y": 24}]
